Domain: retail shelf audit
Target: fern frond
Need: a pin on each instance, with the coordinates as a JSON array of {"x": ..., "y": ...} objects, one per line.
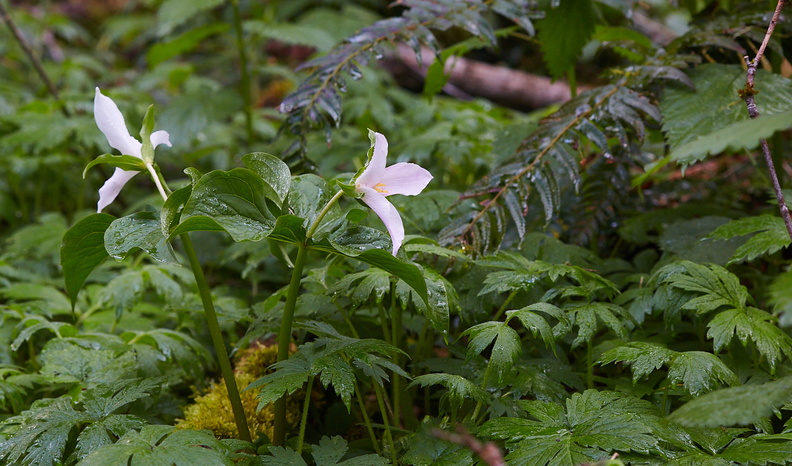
[{"x": 316, "y": 104}]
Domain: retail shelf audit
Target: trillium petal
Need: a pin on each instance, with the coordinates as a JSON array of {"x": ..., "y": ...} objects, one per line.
[
  {"x": 111, "y": 122},
  {"x": 405, "y": 178},
  {"x": 387, "y": 213},
  {"x": 113, "y": 185},
  {"x": 375, "y": 169},
  {"x": 160, "y": 137}
]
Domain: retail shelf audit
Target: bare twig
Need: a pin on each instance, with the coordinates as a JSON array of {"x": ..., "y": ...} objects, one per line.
[
  {"x": 489, "y": 453},
  {"x": 31, "y": 56},
  {"x": 750, "y": 101}
]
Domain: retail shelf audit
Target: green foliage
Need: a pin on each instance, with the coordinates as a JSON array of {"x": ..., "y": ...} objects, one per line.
[
  {"x": 734, "y": 406},
  {"x": 82, "y": 250},
  {"x": 41, "y": 433},
  {"x": 329, "y": 451},
  {"x": 696, "y": 371},
  {"x": 587, "y": 428},
  {"x": 769, "y": 236},
  {"x": 161, "y": 445},
  {"x": 715, "y": 106},
  {"x": 563, "y": 32}
]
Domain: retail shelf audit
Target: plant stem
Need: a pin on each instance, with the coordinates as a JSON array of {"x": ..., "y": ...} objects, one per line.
[
  {"x": 211, "y": 320},
  {"x": 384, "y": 413},
  {"x": 304, "y": 419},
  {"x": 484, "y": 383},
  {"x": 284, "y": 339},
  {"x": 284, "y": 335},
  {"x": 750, "y": 102},
  {"x": 590, "y": 366},
  {"x": 217, "y": 340},
  {"x": 245, "y": 76},
  {"x": 505, "y": 304},
  {"x": 31, "y": 56},
  {"x": 396, "y": 332},
  {"x": 367, "y": 420}
]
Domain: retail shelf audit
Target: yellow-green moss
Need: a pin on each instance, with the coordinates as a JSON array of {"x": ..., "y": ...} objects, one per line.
[{"x": 212, "y": 410}]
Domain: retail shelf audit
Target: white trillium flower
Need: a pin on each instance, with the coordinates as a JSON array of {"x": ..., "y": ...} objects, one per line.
[
  {"x": 377, "y": 182},
  {"x": 111, "y": 122}
]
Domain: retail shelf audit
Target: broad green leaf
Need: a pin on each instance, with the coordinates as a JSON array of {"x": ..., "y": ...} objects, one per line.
[
  {"x": 185, "y": 42},
  {"x": 161, "y": 445},
  {"x": 273, "y": 171},
  {"x": 743, "y": 135},
  {"x": 234, "y": 201},
  {"x": 83, "y": 250},
  {"x": 735, "y": 405},
  {"x": 124, "y": 162},
  {"x": 282, "y": 456},
  {"x": 308, "y": 195},
  {"x": 644, "y": 358},
  {"x": 563, "y": 32},
  {"x": 769, "y": 235},
  {"x": 141, "y": 230},
  {"x": 590, "y": 317},
  {"x": 715, "y": 105}
]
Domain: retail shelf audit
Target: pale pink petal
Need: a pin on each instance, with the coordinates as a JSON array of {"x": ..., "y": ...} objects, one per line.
[
  {"x": 160, "y": 137},
  {"x": 404, "y": 178},
  {"x": 387, "y": 213},
  {"x": 111, "y": 123},
  {"x": 113, "y": 185},
  {"x": 375, "y": 169}
]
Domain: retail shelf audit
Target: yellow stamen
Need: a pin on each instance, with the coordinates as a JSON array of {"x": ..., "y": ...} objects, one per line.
[{"x": 379, "y": 189}]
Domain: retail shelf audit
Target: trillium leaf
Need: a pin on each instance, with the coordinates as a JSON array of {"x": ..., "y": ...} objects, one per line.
[
  {"x": 171, "y": 210},
  {"x": 273, "y": 171},
  {"x": 232, "y": 201},
  {"x": 124, "y": 162},
  {"x": 141, "y": 230},
  {"x": 83, "y": 250}
]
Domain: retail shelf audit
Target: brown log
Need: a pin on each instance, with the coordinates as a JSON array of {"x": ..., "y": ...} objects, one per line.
[{"x": 469, "y": 78}]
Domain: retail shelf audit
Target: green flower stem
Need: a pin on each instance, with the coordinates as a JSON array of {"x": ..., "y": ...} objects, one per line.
[
  {"x": 157, "y": 181},
  {"x": 217, "y": 340},
  {"x": 245, "y": 77},
  {"x": 211, "y": 321},
  {"x": 304, "y": 420},
  {"x": 284, "y": 339},
  {"x": 590, "y": 364},
  {"x": 384, "y": 323},
  {"x": 367, "y": 420},
  {"x": 396, "y": 332},
  {"x": 284, "y": 335},
  {"x": 505, "y": 305},
  {"x": 384, "y": 412}
]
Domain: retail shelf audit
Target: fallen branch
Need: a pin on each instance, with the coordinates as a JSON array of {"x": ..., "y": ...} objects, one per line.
[{"x": 512, "y": 88}]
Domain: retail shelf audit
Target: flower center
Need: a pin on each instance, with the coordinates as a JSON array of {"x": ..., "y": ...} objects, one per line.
[{"x": 379, "y": 188}]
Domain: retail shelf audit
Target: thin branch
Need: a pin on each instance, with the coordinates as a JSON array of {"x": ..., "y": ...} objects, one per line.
[
  {"x": 750, "y": 101},
  {"x": 489, "y": 453},
  {"x": 32, "y": 57}
]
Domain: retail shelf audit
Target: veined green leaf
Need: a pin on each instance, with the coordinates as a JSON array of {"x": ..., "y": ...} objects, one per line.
[
  {"x": 83, "y": 250},
  {"x": 769, "y": 236},
  {"x": 141, "y": 230},
  {"x": 735, "y": 406}
]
